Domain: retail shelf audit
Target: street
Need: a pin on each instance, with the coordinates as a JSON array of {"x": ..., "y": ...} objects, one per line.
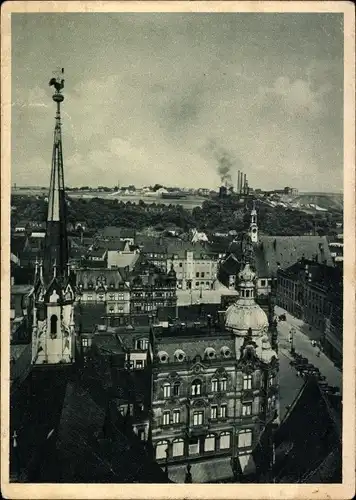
[{"x": 289, "y": 382}]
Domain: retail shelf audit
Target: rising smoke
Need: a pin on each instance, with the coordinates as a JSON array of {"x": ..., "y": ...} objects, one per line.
[{"x": 225, "y": 162}]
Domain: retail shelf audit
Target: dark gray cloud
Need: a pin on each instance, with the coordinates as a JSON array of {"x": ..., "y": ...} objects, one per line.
[{"x": 146, "y": 94}]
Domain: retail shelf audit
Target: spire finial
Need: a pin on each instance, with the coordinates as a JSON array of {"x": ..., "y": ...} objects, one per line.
[{"x": 55, "y": 268}]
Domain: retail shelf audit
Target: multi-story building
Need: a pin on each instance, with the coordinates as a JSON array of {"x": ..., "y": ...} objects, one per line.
[
  {"x": 303, "y": 290},
  {"x": 151, "y": 289},
  {"x": 214, "y": 390},
  {"x": 194, "y": 264},
  {"x": 106, "y": 286}
]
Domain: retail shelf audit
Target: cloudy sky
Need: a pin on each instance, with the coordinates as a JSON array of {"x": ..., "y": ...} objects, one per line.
[{"x": 163, "y": 97}]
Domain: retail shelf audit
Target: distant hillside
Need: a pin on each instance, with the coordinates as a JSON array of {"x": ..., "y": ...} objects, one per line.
[{"x": 330, "y": 201}]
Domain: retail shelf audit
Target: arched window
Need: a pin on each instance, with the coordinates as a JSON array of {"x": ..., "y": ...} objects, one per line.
[
  {"x": 54, "y": 321},
  {"x": 209, "y": 444},
  {"x": 247, "y": 293},
  {"x": 178, "y": 448},
  {"x": 166, "y": 390},
  {"x": 161, "y": 450},
  {"x": 196, "y": 387},
  {"x": 214, "y": 385}
]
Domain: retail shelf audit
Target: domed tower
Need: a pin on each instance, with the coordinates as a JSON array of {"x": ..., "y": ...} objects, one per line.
[
  {"x": 245, "y": 314},
  {"x": 247, "y": 321}
]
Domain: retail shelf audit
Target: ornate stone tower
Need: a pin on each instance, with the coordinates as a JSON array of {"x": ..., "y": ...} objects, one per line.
[
  {"x": 253, "y": 225},
  {"x": 53, "y": 292}
]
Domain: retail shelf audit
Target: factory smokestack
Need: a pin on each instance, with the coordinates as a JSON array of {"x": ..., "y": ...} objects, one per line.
[{"x": 245, "y": 183}]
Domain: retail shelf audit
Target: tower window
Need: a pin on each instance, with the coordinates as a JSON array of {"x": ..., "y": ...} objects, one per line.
[{"x": 54, "y": 321}]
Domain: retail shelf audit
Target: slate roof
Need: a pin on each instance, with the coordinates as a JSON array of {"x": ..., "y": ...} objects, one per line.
[
  {"x": 88, "y": 454},
  {"x": 87, "y": 316},
  {"x": 193, "y": 341},
  {"x": 309, "y": 438},
  {"x": 283, "y": 251}
]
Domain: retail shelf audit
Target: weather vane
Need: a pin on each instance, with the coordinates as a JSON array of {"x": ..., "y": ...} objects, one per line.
[{"x": 58, "y": 81}]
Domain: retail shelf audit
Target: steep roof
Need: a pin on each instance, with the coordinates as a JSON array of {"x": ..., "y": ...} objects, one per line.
[
  {"x": 309, "y": 433},
  {"x": 282, "y": 251}
]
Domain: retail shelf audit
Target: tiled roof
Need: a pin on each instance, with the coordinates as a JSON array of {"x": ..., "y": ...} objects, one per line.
[{"x": 117, "y": 232}]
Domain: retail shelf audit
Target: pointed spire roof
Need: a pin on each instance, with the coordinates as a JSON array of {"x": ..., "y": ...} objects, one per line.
[{"x": 56, "y": 243}]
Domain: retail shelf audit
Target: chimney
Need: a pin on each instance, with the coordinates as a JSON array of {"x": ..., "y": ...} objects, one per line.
[{"x": 245, "y": 181}]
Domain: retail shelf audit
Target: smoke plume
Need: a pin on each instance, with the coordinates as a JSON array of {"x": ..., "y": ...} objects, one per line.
[{"x": 225, "y": 162}]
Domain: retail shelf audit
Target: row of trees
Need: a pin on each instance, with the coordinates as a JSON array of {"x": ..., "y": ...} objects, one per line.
[{"x": 215, "y": 215}]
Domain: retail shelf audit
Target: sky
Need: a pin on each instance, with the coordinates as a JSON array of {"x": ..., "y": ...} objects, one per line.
[{"x": 171, "y": 98}]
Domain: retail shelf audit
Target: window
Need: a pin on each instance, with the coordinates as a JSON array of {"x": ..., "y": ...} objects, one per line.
[
  {"x": 166, "y": 415},
  {"x": 142, "y": 344},
  {"x": 100, "y": 296},
  {"x": 263, "y": 282},
  {"x": 176, "y": 416},
  {"x": 223, "y": 411},
  {"x": 271, "y": 380},
  {"x": 141, "y": 434},
  {"x": 89, "y": 297},
  {"x": 214, "y": 385},
  {"x": 178, "y": 448},
  {"x": 161, "y": 450},
  {"x": 85, "y": 342},
  {"x": 202, "y": 275},
  {"x": 246, "y": 410},
  {"x": 176, "y": 388},
  {"x": 121, "y": 296},
  {"x": 214, "y": 412},
  {"x": 209, "y": 443},
  {"x": 224, "y": 440},
  {"x": 54, "y": 321},
  {"x": 247, "y": 382},
  {"x": 197, "y": 275},
  {"x": 111, "y": 296},
  {"x": 193, "y": 446},
  {"x": 223, "y": 384},
  {"x": 247, "y": 293},
  {"x": 196, "y": 388},
  {"x": 197, "y": 283},
  {"x": 198, "y": 418},
  {"x": 245, "y": 438},
  {"x": 139, "y": 364},
  {"x": 180, "y": 264},
  {"x": 166, "y": 390}
]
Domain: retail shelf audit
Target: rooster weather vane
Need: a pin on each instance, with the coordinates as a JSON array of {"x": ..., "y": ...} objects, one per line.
[{"x": 58, "y": 81}]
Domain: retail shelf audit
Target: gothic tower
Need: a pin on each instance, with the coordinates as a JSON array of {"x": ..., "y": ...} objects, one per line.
[
  {"x": 53, "y": 292},
  {"x": 253, "y": 225}
]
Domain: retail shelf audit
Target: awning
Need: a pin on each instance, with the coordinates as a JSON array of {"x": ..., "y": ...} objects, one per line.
[{"x": 247, "y": 464}]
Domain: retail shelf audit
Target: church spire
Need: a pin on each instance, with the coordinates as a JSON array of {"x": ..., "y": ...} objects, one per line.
[{"x": 56, "y": 245}]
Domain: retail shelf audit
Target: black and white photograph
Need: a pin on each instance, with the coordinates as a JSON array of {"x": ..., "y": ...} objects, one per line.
[{"x": 178, "y": 244}]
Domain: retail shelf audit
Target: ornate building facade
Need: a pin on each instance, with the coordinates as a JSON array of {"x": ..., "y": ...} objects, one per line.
[{"x": 215, "y": 388}]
